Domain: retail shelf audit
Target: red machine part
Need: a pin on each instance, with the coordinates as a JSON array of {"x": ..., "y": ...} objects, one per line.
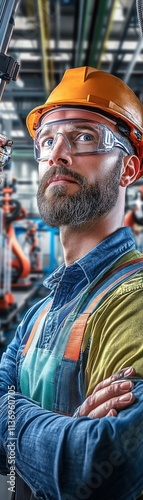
[{"x": 12, "y": 211}]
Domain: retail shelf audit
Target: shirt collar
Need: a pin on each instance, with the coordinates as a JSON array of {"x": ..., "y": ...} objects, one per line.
[{"x": 99, "y": 259}]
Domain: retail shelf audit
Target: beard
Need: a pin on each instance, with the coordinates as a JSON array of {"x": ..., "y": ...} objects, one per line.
[{"x": 89, "y": 203}]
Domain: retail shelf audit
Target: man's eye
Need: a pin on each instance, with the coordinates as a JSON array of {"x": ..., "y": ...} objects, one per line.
[
  {"x": 85, "y": 137},
  {"x": 46, "y": 142}
]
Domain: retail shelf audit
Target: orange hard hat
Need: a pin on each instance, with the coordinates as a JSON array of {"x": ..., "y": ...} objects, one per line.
[{"x": 92, "y": 88}]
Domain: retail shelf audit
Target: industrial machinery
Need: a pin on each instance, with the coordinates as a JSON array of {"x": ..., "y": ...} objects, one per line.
[
  {"x": 6, "y": 296},
  {"x": 34, "y": 250},
  {"x": 134, "y": 218},
  {"x": 12, "y": 210},
  {"x": 9, "y": 70}
]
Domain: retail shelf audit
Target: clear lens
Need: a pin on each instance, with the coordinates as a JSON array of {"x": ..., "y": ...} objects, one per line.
[{"x": 79, "y": 137}]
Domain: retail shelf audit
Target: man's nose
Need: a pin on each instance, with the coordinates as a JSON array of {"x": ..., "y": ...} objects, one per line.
[{"x": 60, "y": 150}]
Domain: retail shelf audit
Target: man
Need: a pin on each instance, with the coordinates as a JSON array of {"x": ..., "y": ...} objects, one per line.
[{"x": 88, "y": 140}]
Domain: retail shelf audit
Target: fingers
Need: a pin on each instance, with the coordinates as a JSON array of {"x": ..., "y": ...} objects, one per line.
[
  {"x": 111, "y": 407},
  {"x": 112, "y": 413},
  {"x": 110, "y": 395},
  {"x": 125, "y": 372},
  {"x": 114, "y": 396}
]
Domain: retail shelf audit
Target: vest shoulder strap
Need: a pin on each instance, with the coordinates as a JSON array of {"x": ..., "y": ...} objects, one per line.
[
  {"x": 102, "y": 288},
  {"x": 34, "y": 328},
  {"x": 106, "y": 285}
]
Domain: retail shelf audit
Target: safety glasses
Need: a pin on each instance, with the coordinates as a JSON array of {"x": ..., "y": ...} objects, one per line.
[{"x": 76, "y": 136}]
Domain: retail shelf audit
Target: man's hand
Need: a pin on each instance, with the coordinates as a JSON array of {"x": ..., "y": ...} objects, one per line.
[{"x": 109, "y": 396}]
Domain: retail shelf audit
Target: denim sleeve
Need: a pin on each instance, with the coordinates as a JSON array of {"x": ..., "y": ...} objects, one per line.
[
  {"x": 62, "y": 458},
  {"x": 10, "y": 358},
  {"x": 8, "y": 373},
  {"x": 8, "y": 364}
]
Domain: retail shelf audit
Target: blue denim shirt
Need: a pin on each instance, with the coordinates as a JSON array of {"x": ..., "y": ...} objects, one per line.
[{"x": 61, "y": 457}]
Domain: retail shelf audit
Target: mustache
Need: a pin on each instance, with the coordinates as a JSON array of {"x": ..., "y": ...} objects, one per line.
[{"x": 61, "y": 170}]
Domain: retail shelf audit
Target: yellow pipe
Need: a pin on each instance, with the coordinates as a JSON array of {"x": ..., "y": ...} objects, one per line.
[
  {"x": 45, "y": 42},
  {"x": 30, "y": 8},
  {"x": 108, "y": 29}
]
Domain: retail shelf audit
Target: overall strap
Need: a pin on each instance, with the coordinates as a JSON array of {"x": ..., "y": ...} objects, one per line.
[
  {"x": 35, "y": 327},
  {"x": 108, "y": 283}
]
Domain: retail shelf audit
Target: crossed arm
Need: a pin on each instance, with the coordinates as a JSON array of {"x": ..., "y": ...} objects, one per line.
[
  {"x": 110, "y": 396},
  {"x": 65, "y": 458}
]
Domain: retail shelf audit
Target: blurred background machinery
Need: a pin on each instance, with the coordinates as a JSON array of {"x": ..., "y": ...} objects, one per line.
[{"x": 42, "y": 38}]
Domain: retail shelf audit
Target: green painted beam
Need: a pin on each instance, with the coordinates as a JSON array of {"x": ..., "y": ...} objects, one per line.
[
  {"x": 97, "y": 32},
  {"x": 84, "y": 30}
]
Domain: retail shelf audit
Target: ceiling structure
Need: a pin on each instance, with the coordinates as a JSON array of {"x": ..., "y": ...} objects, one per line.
[{"x": 52, "y": 35}]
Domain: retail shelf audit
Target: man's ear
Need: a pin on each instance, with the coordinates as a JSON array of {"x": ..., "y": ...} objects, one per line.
[{"x": 130, "y": 170}]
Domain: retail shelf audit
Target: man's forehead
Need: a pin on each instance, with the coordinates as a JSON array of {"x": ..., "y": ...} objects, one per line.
[{"x": 78, "y": 113}]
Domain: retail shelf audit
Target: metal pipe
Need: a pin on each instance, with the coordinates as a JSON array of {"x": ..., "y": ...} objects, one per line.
[
  {"x": 78, "y": 50},
  {"x": 139, "y": 6},
  {"x": 97, "y": 31},
  {"x": 133, "y": 60},
  {"x": 91, "y": 31},
  {"x": 79, "y": 41},
  {"x": 116, "y": 61},
  {"x": 107, "y": 32},
  {"x": 7, "y": 26},
  {"x": 58, "y": 23},
  {"x": 45, "y": 40}
]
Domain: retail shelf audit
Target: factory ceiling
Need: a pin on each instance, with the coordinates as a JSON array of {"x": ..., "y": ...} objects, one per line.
[{"x": 52, "y": 35}]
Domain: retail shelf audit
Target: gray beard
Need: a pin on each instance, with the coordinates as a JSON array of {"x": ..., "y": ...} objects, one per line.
[{"x": 91, "y": 202}]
